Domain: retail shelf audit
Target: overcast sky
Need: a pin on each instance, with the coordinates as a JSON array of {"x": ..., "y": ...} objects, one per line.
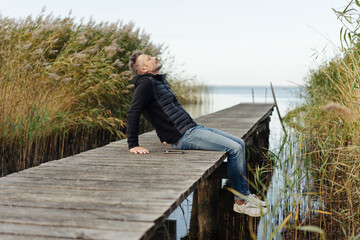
[{"x": 227, "y": 42}]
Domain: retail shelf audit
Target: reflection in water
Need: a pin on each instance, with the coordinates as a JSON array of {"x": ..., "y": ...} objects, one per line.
[
  {"x": 286, "y": 191},
  {"x": 288, "y": 194},
  {"x": 291, "y": 182}
]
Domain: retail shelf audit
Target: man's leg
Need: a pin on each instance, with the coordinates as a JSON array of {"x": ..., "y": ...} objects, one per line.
[
  {"x": 202, "y": 138},
  {"x": 230, "y": 167}
]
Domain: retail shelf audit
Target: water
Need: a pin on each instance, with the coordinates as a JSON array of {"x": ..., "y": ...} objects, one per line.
[
  {"x": 285, "y": 191},
  {"x": 221, "y": 97}
]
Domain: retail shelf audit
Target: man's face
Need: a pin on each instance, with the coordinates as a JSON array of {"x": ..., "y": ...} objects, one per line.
[{"x": 149, "y": 64}]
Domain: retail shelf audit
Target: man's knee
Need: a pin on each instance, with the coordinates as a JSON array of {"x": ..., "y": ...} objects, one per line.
[
  {"x": 237, "y": 148},
  {"x": 242, "y": 142}
]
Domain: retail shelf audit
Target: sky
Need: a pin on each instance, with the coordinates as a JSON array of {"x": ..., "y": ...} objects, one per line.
[{"x": 223, "y": 42}]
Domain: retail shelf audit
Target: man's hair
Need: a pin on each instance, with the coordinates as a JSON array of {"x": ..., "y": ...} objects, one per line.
[{"x": 132, "y": 63}]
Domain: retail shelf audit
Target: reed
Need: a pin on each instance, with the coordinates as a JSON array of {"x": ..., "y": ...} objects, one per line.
[
  {"x": 65, "y": 87},
  {"x": 329, "y": 121}
]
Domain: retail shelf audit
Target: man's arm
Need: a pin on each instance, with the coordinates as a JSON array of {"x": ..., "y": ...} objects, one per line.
[
  {"x": 159, "y": 136},
  {"x": 142, "y": 95}
]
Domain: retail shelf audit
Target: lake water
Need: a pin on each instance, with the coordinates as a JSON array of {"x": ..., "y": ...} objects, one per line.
[
  {"x": 280, "y": 197},
  {"x": 221, "y": 97}
]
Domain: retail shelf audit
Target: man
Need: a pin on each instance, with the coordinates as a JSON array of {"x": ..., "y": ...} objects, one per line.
[{"x": 154, "y": 98}]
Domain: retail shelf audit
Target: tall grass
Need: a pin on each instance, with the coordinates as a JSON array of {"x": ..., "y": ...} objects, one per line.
[
  {"x": 65, "y": 87},
  {"x": 329, "y": 121}
]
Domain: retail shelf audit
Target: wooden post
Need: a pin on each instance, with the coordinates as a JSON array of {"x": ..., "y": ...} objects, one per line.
[
  {"x": 208, "y": 214},
  {"x": 167, "y": 231},
  {"x": 194, "y": 225},
  {"x": 265, "y": 94},
  {"x": 277, "y": 108},
  {"x": 253, "y": 97}
]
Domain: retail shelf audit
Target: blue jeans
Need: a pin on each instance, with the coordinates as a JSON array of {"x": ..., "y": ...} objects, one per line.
[{"x": 204, "y": 138}]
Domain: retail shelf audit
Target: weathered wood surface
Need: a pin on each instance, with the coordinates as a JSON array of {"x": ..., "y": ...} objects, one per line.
[{"x": 108, "y": 193}]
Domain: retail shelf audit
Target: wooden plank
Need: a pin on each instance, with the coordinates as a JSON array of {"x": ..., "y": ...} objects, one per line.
[
  {"x": 12, "y": 236},
  {"x": 52, "y": 231},
  {"x": 129, "y": 178},
  {"x": 109, "y": 218},
  {"x": 88, "y": 185},
  {"x": 131, "y": 207},
  {"x": 152, "y": 198},
  {"x": 127, "y": 167}
]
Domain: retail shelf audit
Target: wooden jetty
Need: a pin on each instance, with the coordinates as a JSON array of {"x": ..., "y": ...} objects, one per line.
[{"x": 108, "y": 193}]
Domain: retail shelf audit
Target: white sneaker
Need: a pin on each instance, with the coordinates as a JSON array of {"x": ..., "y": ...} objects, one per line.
[
  {"x": 250, "y": 209},
  {"x": 254, "y": 199}
]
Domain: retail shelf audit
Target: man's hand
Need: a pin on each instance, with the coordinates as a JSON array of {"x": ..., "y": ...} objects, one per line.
[{"x": 139, "y": 150}]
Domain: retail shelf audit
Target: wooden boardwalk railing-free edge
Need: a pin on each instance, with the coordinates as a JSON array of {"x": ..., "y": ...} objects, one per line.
[{"x": 108, "y": 193}]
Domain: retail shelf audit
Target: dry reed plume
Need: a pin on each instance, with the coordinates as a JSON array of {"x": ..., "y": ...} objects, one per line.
[{"x": 64, "y": 87}]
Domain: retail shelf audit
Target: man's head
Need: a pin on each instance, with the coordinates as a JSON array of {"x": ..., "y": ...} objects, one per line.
[{"x": 141, "y": 63}]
